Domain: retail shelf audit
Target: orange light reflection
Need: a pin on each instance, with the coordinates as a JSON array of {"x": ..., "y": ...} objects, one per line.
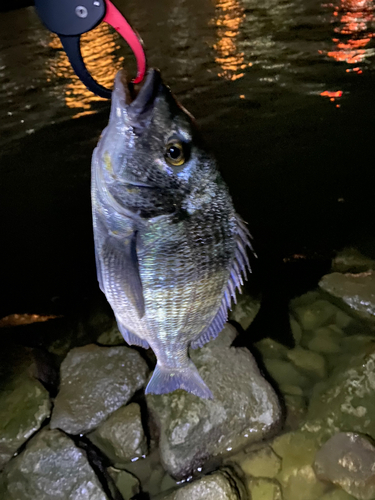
[
  {"x": 356, "y": 17},
  {"x": 230, "y": 16},
  {"x": 24, "y": 319},
  {"x": 98, "y": 50}
]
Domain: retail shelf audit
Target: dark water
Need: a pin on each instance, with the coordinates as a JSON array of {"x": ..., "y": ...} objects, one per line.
[{"x": 283, "y": 90}]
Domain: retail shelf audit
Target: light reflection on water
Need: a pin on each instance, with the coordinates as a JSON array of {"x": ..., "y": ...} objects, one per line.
[
  {"x": 353, "y": 32},
  {"x": 352, "y": 36},
  {"x": 304, "y": 47},
  {"x": 230, "y": 16},
  {"x": 98, "y": 49}
]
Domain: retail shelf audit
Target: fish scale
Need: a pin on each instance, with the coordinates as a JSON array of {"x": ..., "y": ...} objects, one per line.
[{"x": 170, "y": 248}]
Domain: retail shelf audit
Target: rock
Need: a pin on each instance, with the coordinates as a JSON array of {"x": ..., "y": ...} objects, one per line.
[
  {"x": 296, "y": 330},
  {"x": 95, "y": 382},
  {"x": 271, "y": 349},
  {"x": 98, "y": 316},
  {"x": 285, "y": 374},
  {"x": 37, "y": 364},
  {"x": 292, "y": 390},
  {"x": 351, "y": 260},
  {"x": 296, "y": 410},
  {"x": 167, "y": 483},
  {"x": 245, "y": 310},
  {"x": 245, "y": 409},
  {"x": 261, "y": 463},
  {"x": 312, "y": 363},
  {"x": 337, "y": 494},
  {"x": 111, "y": 336},
  {"x": 347, "y": 460},
  {"x": 24, "y": 405},
  {"x": 121, "y": 437},
  {"x": 149, "y": 471},
  {"x": 297, "y": 451},
  {"x": 264, "y": 489},
  {"x": 126, "y": 483},
  {"x": 50, "y": 468},
  {"x": 302, "y": 485},
  {"x": 355, "y": 290},
  {"x": 324, "y": 345},
  {"x": 346, "y": 400},
  {"x": 350, "y": 347},
  {"x": 343, "y": 320},
  {"x": 330, "y": 333},
  {"x": 24, "y": 402},
  {"x": 220, "y": 485},
  {"x": 317, "y": 314}
]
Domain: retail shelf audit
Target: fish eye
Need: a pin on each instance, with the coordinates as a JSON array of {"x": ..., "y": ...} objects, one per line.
[{"x": 174, "y": 153}]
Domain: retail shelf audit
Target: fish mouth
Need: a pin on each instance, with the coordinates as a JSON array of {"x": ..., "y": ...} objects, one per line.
[{"x": 139, "y": 98}]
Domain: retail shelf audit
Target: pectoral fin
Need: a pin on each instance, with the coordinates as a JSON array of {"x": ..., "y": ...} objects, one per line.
[{"x": 119, "y": 257}]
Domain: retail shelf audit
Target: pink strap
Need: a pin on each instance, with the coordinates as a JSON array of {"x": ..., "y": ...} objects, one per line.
[{"x": 119, "y": 23}]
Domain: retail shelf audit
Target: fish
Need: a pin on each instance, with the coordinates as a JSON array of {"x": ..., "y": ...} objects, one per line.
[{"x": 170, "y": 249}]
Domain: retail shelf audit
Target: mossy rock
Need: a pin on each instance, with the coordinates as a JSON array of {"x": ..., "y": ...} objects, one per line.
[{"x": 346, "y": 400}]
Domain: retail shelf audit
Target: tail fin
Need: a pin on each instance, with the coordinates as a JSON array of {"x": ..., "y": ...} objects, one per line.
[{"x": 166, "y": 379}]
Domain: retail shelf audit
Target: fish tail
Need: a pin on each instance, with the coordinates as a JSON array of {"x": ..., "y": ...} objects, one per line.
[{"x": 167, "y": 379}]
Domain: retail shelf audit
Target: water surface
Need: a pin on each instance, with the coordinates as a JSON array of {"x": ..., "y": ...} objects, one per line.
[{"x": 283, "y": 91}]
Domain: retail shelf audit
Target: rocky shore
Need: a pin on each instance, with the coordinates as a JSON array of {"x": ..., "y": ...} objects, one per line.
[{"x": 297, "y": 425}]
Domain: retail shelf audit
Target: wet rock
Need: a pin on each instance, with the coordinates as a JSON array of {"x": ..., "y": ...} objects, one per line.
[
  {"x": 296, "y": 330},
  {"x": 312, "y": 363},
  {"x": 98, "y": 317},
  {"x": 347, "y": 460},
  {"x": 111, "y": 336},
  {"x": 297, "y": 451},
  {"x": 285, "y": 374},
  {"x": 319, "y": 313},
  {"x": 245, "y": 408},
  {"x": 355, "y": 290},
  {"x": 350, "y": 260},
  {"x": 24, "y": 402},
  {"x": 149, "y": 471},
  {"x": 220, "y": 485},
  {"x": 337, "y": 494},
  {"x": 346, "y": 400},
  {"x": 121, "y": 437},
  {"x": 95, "y": 382},
  {"x": 264, "y": 489},
  {"x": 302, "y": 484},
  {"x": 271, "y": 349},
  {"x": 296, "y": 410},
  {"x": 24, "y": 405},
  {"x": 50, "y": 468},
  {"x": 126, "y": 483},
  {"x": 292, "y": 390},
  {"x": 324, "y": 345},
  {"x": 261, "y": 463},
  {"x": 17, "y": 359},
  {"x": 245, "y": 310}
]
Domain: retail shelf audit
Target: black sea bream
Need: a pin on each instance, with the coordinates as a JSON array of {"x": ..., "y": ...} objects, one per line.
[{"x": 170, "y": 248}]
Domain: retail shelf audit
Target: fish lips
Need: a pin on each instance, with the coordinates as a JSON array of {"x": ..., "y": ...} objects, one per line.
[{"x": 138, "y": 100}]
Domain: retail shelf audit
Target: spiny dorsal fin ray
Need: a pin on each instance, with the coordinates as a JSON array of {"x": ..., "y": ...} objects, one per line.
[
  {"x": 240, "y": 265},
  {"x": 215, "y": 327}
]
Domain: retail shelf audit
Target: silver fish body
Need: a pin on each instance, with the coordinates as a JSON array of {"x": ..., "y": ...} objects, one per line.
[{"x": 170, "y": 249}]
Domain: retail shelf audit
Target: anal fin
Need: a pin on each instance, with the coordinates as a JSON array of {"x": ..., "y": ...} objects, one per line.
[{"x": 131, "y": 338}]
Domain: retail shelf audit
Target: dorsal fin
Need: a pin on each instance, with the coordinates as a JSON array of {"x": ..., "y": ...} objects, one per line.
[{"x": 240, "y": 265}]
